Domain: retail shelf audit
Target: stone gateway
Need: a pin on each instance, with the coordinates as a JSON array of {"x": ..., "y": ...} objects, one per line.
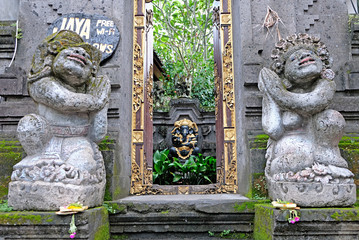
[
  {"x": 63, "y": 163},
  {"x": 303, "y": 159}
]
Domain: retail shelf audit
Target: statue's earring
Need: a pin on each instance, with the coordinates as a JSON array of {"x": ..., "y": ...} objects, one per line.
[{"x": 328, "y": 74}]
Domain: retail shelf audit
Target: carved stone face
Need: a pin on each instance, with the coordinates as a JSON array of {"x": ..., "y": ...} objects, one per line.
[
  {"x": 73, "y": 66},
  {"x": 302, "y": 67}
]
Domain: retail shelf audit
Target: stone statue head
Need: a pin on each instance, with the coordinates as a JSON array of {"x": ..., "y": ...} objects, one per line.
[
  {"x": 66, "y": 56},
  {"x": 184, "y": 137},
  {"x": 301, "y": 59}
]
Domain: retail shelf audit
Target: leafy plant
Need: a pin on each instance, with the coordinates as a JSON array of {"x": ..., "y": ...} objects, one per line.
[
  {"x": 225, "y": 233},
  {"x": 4, "y": 207},
  {"x": 196, "y": 170},
  {"x": 163, "y": 168},
  {"x": 183, "y": 40}
]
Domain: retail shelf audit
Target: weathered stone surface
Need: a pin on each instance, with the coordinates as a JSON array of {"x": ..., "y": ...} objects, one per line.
[
  {"x": 64, "y": 163},
  {"x": 321, "y": 224},
  {"x": 92, "y": 224},
  {"x": 303, "y": 157},
  {"x": 182, "y": 216}
]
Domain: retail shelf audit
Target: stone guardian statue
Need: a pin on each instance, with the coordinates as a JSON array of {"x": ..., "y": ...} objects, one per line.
[
  {"x": 63, "y": 163},
  {"x": 303, "y": 159}
]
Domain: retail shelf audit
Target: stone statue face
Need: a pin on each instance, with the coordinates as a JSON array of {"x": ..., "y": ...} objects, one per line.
[
  {"x": 73, "y": 66},
  {"x": 302, "y": 67}
]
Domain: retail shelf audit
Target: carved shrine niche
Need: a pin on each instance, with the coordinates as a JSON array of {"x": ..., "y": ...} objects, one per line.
[{"x": 142, "y": 101}]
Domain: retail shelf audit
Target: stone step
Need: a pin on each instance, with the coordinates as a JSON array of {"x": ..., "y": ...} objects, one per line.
[
  {"x": 91, "y": 224},
  {"x": 182, "y": 217}
]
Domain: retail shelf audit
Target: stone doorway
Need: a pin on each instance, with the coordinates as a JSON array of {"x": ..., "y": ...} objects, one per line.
[{"x": 142, "y": 106}]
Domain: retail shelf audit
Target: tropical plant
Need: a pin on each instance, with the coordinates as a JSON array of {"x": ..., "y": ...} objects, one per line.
[
  {"x": 183, "y": 39},
  {"x": 162, "y": 168},
  {"x": 196, "y": 170}
]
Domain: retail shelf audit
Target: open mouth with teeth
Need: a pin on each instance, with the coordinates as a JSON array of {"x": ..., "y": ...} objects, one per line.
[
  {"x": 306, "y": 61},
  {"x": 78, "y": 58}
]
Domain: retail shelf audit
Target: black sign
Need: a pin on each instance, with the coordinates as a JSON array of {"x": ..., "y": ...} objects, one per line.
[{"x": 96, "y": 30}]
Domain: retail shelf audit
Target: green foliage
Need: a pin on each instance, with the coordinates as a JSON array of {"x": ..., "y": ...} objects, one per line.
[
  {"x": 104, "y": 144},
  {"x": 183, "y": 39},
  {"x": 162, "y": 168},
  {"x": 4, "y": 207},
  {"x": 196, "y": 170},
  {"x": 18, "y": 35},
  {"x": 225, "y": 233},
  {"x": 114, "y": 208}
]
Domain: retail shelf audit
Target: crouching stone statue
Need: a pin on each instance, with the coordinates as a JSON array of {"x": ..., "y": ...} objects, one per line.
[
  {"x": 63, "y": 163},
  {"x": 303, "y": 159}
]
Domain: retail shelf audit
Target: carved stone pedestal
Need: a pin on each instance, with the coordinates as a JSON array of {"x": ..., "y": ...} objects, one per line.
[
  {"x": 46, "y": 196},
  {"x": 314, "y": 194}
]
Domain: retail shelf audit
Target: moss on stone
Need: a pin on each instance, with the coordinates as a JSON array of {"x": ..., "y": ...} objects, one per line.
[
  {"x": 259, "y": 142},
  {"x": 19, "y": 218},
  {"x": 117, "y": 192},
  {"x": 120, "y": 237},
  {"x": 10, "y": 154},
  {"x": 263, "y": 222},
  {"x": 103, "y": 230},
  {"x": 106, "y": 144},
  {"x": 108, "y": 196},
  {"x": 259, "y": 186},
  {"x": 248, "y": 206},
  {"x": 349, "y": 214}
]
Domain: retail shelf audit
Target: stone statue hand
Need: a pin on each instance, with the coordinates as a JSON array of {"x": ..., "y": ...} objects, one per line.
[
  {"x": 100, "y": 88},
  {"x": 269, "y": 82}
]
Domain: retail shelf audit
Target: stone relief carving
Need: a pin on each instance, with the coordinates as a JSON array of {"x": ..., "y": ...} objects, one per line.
[
  {"x": 303, "y": 159},
  {"x": 63, "y": 162}
]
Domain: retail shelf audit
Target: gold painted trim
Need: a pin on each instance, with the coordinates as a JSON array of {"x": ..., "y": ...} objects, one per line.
[
  {"x": 137, "y": 78},
  {"x": 137, "y": 137},
  {"x": 139, "y": 21},
  {"x": 229, "y": 134},
  {"x": 226, "y": 19},
  {"x": 141, "y": 174},
  {"x": 149, "y": 91}
]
